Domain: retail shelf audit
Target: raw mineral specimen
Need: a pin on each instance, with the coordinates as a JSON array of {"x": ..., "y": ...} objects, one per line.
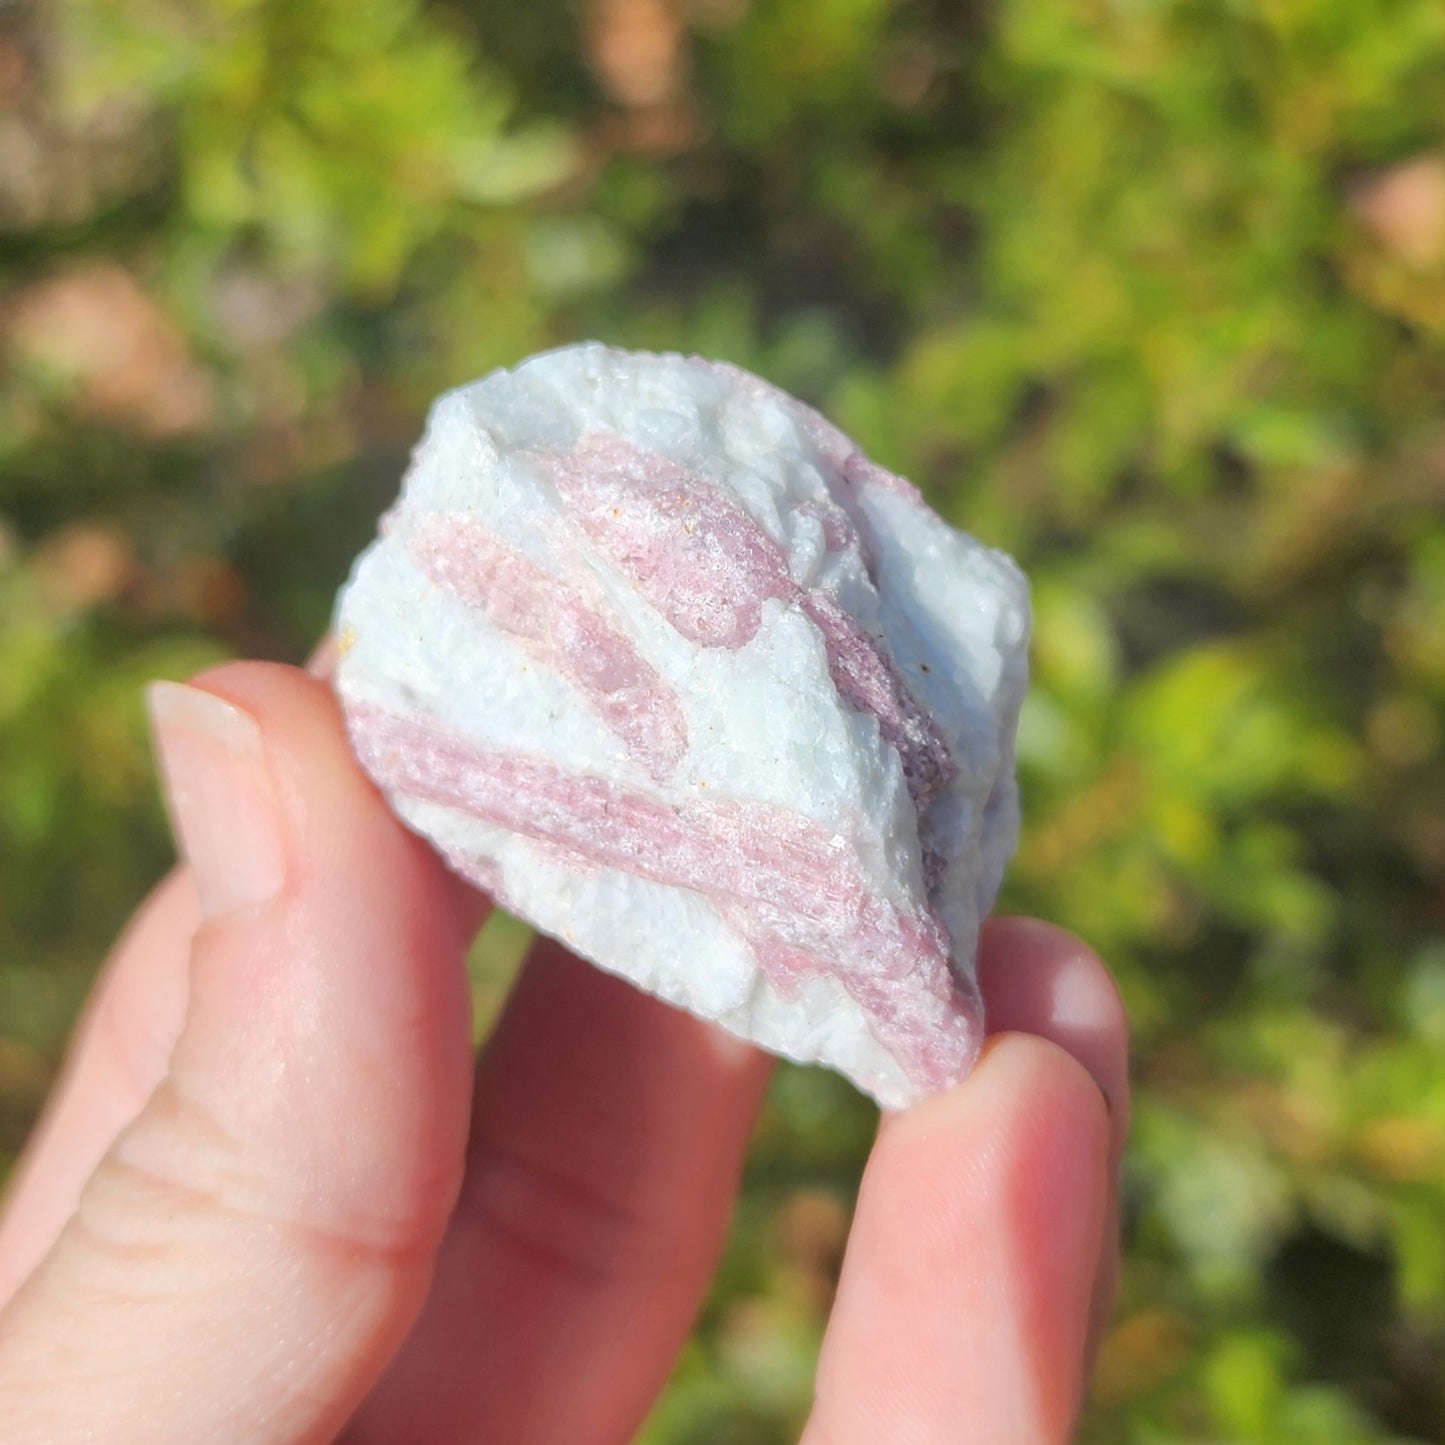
[{"x": 652, "y": 653}]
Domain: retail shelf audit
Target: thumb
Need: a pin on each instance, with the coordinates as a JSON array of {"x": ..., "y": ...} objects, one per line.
[{"x": 253, "y": 1248}]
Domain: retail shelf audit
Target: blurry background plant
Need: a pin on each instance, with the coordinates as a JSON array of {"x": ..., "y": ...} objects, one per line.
[{"x": 1150, "y": 292}]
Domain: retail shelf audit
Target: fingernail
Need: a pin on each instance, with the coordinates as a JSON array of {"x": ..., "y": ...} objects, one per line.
[
  {"x": 1084, "y": 1016},
  {"x": 323, "y": 659},
  {"x": 222, "y": 802}
]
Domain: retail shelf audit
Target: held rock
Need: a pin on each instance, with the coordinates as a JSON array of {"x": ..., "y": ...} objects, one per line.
[{"x": 652, "y": 653}]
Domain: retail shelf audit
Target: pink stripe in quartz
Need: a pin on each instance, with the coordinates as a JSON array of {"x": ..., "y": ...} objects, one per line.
[
  {"x": 690, "y": 550},
  {"x": 839, "y": 532},
  {"x": 934, "y": 1050},
  {"x": 562, "y": 631},
  {"x": 793, "y": 889},
  {"x": 699, "y": 558}
]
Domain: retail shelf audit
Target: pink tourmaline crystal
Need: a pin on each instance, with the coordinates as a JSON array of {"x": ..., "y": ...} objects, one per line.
[{"x": 652, "y": 653}]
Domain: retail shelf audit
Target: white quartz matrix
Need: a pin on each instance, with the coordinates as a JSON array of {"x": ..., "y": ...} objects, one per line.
[{"x": 655, "y": 656}]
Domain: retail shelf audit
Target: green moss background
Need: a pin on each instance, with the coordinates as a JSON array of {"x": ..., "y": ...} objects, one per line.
[{"x": 1149, "y": 292}]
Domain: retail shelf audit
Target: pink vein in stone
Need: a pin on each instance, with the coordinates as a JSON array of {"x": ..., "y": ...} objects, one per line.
[
  {"x": 793, "y": 889},
  {"x": 839, "y": 533},
  {"x": 562, "y": 631},
  {"x": 690, "y": 550},
  {"x": 699, "y": 558}
]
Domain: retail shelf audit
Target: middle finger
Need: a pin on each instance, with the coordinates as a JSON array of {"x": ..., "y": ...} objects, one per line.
[{"x": 608, "y": 1135}]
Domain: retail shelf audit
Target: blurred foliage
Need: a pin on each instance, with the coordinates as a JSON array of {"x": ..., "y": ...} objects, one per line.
[{"x": 1150, "y": 292}]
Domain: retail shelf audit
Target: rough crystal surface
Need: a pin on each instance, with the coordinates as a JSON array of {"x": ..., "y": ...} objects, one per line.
[{"x": 650, "y": 651}]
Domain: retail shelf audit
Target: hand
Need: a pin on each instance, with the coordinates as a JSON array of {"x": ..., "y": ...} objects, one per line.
[{"x": 274, "y": 1198}]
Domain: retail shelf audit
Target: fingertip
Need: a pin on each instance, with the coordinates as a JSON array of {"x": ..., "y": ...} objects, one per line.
[
  {"x": 248, "y": 682},
  {"x": 1054, "y": 1219},
  {"x": 324, "y": 657},
  {"x": 1045, "y": 1086},
  {"x": 964, "y": 1303},
  {"x": 330, "y": 1021},
  {"x": 315, "y": 766},
  {"x": 1025, "y": 1094},
  {"x": 298, "y": 716},
  {"x": 1015, "y": 951},
  {"x": 1040, "y": 979}
]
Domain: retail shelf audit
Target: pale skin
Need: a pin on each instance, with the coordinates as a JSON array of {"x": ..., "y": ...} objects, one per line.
[{"x": 275, "y": 1198}]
